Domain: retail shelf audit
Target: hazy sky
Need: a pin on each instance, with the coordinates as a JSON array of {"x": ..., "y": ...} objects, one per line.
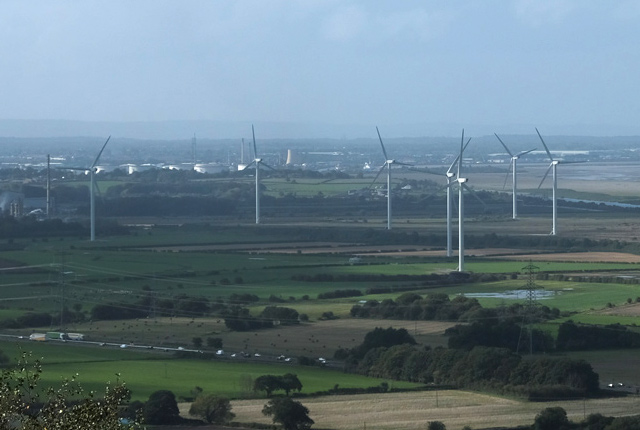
[{"x": 552, "y": 63}]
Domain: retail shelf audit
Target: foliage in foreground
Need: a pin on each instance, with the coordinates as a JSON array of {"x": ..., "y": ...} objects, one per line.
[{"x": 25, "y": 405}]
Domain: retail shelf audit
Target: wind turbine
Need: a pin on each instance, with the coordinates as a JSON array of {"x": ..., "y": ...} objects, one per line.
[
  {"x": 512, "y": 166},
  {"x": 387, "y": 163},
  {"x": 257, "y": 161},
  {"x": 553, "y": 168},
  {"x": 92, "y": 172},
  {"x": 461, "y": 185},
  {"x": 450, "y": 181}
]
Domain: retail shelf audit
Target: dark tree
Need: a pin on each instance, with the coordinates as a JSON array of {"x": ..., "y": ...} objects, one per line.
[
  {"x": 383, "y": 338},
  {"x": 214, "y": 342},
  {"x": 267, "y": 383},
  {"x": 554, "y": 418},
  {"x": 161, "y": 408},
  {"x": 285, "y": 316},
  {"x": 290, "y": 382},
  {"x": 291, "y": 414},
  {"x": 214, "y": 409},
  {"x": 436, "y": 425}
]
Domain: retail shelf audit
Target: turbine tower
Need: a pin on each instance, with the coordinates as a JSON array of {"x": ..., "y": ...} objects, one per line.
[
  {"x": 92, "y": 172},
  {"x": 387, "y": 163},
  {"x": 513, "y": 168},
  {"x": 553, "y": 168},
  {"x": 461, "y": 185},
  {"x": 258, "y": 162}
]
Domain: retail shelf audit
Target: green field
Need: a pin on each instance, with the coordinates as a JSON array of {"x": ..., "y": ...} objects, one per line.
[
  {"x": 79, "y": 275},
  {"x": 145, "y": 372}
]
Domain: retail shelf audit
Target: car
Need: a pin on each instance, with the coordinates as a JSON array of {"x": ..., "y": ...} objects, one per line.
[
  {"x": 220, "y": 352},
  {"x": 124, "y": 345},
  {"x": 281, "y": 357},
  {"x": 103, "y": 344},
  {"x": 257, "y": 355},
  {"x": 233, "y": 355},
  {"x": 180, "y": 348},
  {"x": 288, "y": 359}
]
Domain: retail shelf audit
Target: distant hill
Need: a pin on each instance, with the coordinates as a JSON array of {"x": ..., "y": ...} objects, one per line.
[{"x": 171, "y": 130}]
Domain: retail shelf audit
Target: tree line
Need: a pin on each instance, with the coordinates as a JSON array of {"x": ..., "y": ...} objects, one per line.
[{"x": 391, "y": 353}]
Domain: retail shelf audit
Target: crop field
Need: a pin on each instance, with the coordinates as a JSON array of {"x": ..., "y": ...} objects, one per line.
[{"x": 455, "y": 409}]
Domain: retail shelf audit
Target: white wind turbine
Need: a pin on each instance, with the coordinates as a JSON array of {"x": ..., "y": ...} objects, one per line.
[
  {"x": 513, "y": 169},
  {"x": 553, "y": 168},
  {"x": 387, "y": 163},
  {"x": 258, "y": 162},
  {"x": 461, "y": 185},
  {"x": 93, "y": 185},
  {"x": 450, "y": 181}
]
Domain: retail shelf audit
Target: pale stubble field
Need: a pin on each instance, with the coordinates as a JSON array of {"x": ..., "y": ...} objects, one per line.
[{"x": 456, "y": 409}]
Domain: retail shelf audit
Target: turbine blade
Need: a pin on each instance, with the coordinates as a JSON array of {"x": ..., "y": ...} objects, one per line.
[
  {"x": 100, "y": 153},
  {"x": 461, "y": 151},
  {"x": 378, "y": 174},
  {"x": 262, "y": 163},
  {"x": 248, "y": 165},
  {"x": 97, "y": 187},
  {"x": 474, "y": 194},
  {"x": 544, "y": 144},
  {"x": 449, "y": 185},
  {"x": 80, "y": 169},
  {"x": 386, "y": 157},
  {"x": 505, "y": 146},
  {"x": 402, "y": 164},
  {"x": 457, "y": 158},
  {"x": 507, "y": 176},
  {"x": 255, "y": 150},
  {"x": 545, "y": 175},
  {"x": 520, "y": 154}
]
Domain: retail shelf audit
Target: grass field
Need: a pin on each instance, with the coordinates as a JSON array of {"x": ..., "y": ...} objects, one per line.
[{"x": 148, "y": 371}]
